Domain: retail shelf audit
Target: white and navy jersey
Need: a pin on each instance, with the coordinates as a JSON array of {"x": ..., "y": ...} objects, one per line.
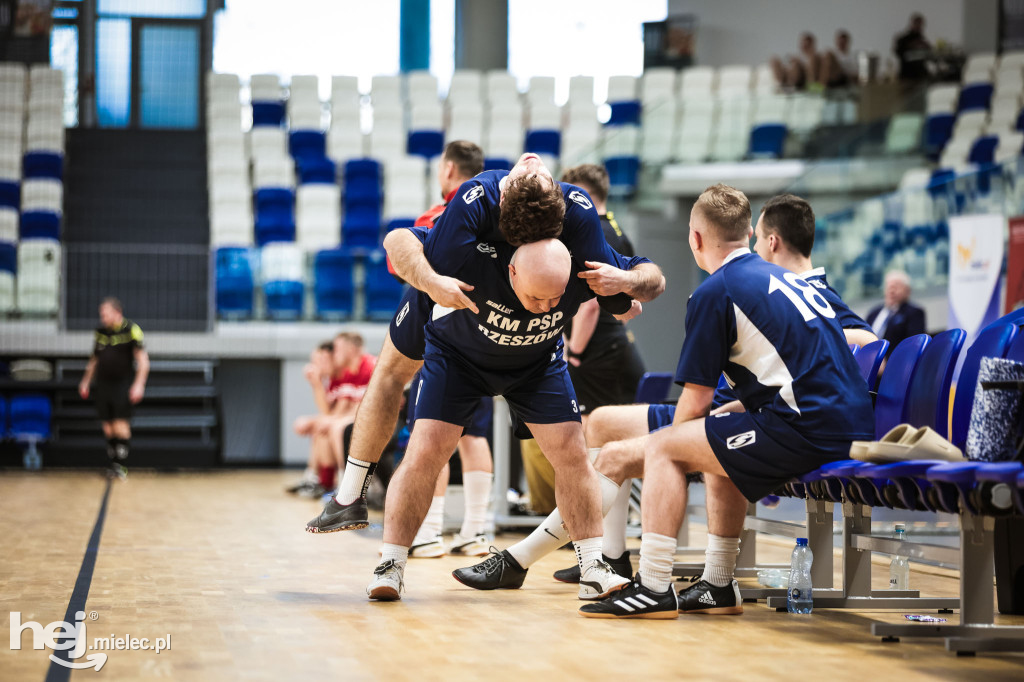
[
  {"x": 778, "y": 341},
  {"x": 472, "y": 217},
  {"x": 504, "y": 335},
  {"x": 847, "y": 318}
]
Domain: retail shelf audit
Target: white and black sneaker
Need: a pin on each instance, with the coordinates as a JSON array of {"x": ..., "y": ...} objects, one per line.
[
  {"x": 598, "y": 580},
  {"x": 635, "y": 601},
  {"x": 335, "y": 517},
  {"x": 473, "y": 545},
  {"x": 427, "y": 547},
  {"x": 703, "y": 597},
  {"x": 500, "y": 571},
  {"x": 388, "y": 581}
]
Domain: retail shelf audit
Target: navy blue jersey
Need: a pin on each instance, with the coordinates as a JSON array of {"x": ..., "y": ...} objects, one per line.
[
  {"x": 503, "y": 335},
  {"x": 780, "y": 345},
  {"x": 847, "y": 320},
  {"x": 472, "y": 216}
]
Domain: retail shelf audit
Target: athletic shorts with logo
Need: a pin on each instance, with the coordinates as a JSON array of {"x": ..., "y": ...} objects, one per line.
[{"x": 759, "y": 451}]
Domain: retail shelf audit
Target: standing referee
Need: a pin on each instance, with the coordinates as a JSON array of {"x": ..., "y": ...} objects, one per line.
[{"x": 116, "y": 379}]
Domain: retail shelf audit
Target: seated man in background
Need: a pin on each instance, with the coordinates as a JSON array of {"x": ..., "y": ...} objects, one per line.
[
  {"x": 353, "y": 369},
  {"x": 321, "y": 462},
  {"x": 897, "y": 318},
  {"x": 802, "y": 71},
  {"x": 785, "y": 237},
  {"x": 801, "y": 399}
]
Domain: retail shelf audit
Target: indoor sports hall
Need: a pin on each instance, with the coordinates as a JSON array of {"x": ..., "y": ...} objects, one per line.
[{"x": 336, "y": 339}]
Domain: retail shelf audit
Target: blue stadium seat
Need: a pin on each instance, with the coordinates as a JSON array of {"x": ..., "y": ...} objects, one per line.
[
  {"x": 766, "y": 140},
  {"x": 362, "y": 181},
  {"x": 10, "y": 193},
  {"x": 307, "y": 144},
  {"x": 39, "y": 225},
  {"x": 268, "y": 113},
  {"x": 274, "y": 225},
  {"x": 4, "y": 422},
  {"x": 383, "y": 291},
  {"x": 625, "y": 112},
  {"x": 974, "y": 96},
  {"x": 361, "y": 226},
  {"x": 30, "y": 417},
  {"x": 543, "y": 142},
  {"x": 928, "y": 394},
  {"x": 938, "y": 128},
  {"x": 313, "y": 169},
  {"x": 333, "y": 288},
  {"x": 653, "y": 388},
  {"x": 284, "y": 299},
  {"x": 1014, "y": 317},
  {"x": 9, "y": 257},
  {"x": 622, "y": 174},
  {"x": 992, "y": 342},
  {"x": 425, "y": 143},
  {"x": 43, "y": 164},
  {"x": 274, "y": 198},
  {"x": 234, "y": 282},
  {"x": 497, "y": 163},
  {"x": 1016, "y": 350},
  {"x": 895, "y": 382},
  {"x": 940, "y": 179},
  {"x": 869, "y": 360},
  {"x": 984, "y": 149}
]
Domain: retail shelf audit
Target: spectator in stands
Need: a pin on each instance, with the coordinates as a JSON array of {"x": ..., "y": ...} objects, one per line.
[
  {"x": 840, "y": 64},
  {"x": 318, "y": 373},
  {"x": 913, "y": 50},
  {"x": 800, "y": 71},
  {"x": 115, "y": 378},
  {"x": 897, "y": 318}
]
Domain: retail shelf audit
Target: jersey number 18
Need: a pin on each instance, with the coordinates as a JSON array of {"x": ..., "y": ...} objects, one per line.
[{"x": 810, "y": 295}]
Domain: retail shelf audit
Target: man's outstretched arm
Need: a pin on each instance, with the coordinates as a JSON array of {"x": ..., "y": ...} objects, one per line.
[
  {"x": 405, "y": 250},
  {"x": 644, "y": 281}
]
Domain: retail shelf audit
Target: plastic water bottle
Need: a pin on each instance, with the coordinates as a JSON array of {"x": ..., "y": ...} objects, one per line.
[
  {"x": 799, "y": 598},
  {"x": 32, "y": 460},
  {"x": 899, "y": 567}
]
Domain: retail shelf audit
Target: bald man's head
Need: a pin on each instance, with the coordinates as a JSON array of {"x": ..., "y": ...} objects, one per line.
[{"x": 540, "y": 273}]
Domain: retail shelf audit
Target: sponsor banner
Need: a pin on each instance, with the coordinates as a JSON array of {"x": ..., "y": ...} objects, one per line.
[{"x": 976, "y": 257}]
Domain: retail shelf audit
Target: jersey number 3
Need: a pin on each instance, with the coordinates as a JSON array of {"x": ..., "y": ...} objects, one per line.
[{"x": 810, "y": 295}]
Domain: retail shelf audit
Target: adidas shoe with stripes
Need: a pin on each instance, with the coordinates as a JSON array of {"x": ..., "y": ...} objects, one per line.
[
  {"x": 703, "y": 597},
  {"x": 635, "y": 601}
]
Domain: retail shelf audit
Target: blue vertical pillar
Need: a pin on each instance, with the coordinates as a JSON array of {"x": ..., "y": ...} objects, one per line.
[{"x": 414, "y": 37}]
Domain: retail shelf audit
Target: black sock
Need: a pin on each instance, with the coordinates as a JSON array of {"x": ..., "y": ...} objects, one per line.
[
  {"x": 122, "y": 446},
  {"x": 112, "y": 448}
]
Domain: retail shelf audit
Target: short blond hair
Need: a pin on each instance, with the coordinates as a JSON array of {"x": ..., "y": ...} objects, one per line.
[{"x": 728, "y": 211}]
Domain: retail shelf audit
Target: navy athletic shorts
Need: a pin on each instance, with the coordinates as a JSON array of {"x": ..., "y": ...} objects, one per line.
[
  {"x": 407, "y": 326},
  {"x": 760, "y": 451},
  {"x": 480, "y": 424},
  {"x": 450, "y": 390},
  {"x": 659, "y": 416}
]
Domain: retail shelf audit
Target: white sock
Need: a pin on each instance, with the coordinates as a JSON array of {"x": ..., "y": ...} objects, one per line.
[
  {"x": 615, "y": 523},
  {"x": 476, "y": 486},
  {"x": 352, "y": 481},
  {"x": 549, "y": 536},
  {"x": 720, "y": 560},
  {"x": 656, "y": 552},
  {"x": 587, "y": 551},
  {"x": 397, "y": 552},
  {"x": 309, "y": 475},
  {"x": 434, "y": 523}
]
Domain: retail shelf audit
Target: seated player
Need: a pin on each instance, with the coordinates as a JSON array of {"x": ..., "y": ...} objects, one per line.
[
  {"x": 780, "y": 345},
  {"x": 321, "y": 460}
]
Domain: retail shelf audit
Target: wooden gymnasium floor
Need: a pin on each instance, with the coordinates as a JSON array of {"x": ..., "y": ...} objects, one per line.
[{"x": 220, "y": 562}]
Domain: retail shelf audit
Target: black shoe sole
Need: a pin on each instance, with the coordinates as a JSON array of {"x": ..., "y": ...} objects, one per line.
[{"x": 356, "y": 525}]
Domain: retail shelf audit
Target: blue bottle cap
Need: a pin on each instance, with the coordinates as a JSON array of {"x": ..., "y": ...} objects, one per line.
[{"x": 801, "y": 542}]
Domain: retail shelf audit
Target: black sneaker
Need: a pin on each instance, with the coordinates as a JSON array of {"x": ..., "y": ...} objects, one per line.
[
  {"x": 300, "y": 486},
  {"x": 635, "y": 601},
  {"x": 623, "y": 566},
  {"x": 703, "y": 597},
  {"x": 500, "y": 571},
  {"x": 337, "y": 517},
  {"x": 118, "y": 471}
]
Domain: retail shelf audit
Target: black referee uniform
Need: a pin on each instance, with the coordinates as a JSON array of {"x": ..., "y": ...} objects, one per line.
[
  {"x": 114, "y": 351},
  {"x": 610, "y": 366}
]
